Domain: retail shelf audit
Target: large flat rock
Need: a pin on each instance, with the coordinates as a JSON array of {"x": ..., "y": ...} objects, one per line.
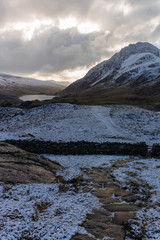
[{"x": 18, "y": 166}]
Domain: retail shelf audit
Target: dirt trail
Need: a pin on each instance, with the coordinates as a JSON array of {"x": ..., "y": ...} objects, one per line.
[
  {"x": 119, "y": 206},
  {"x": 103, "y": 114}
]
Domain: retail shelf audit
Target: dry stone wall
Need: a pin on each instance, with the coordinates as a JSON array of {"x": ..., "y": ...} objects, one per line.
[{"x": 78, "y": 148}]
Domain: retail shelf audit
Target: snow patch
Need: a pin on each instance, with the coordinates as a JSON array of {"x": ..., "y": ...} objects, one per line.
[
  {"x": 39, "y": 211},
  {"x": 9, "y": 80},
  {"x": 73, "y": 164}
]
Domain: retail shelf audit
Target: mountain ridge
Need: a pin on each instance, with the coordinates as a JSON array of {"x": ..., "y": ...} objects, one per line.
[
  {"x": 131, "y": 76},
  {"x": 111, "y": 69},
  {"x": 12, "y": 79}
]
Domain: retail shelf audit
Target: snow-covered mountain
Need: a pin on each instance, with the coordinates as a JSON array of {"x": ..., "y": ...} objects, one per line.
[
  {"x": 136, "y": 65},
  {"x": 13, "y": 87},
  {"x": 9, "y": 80}
]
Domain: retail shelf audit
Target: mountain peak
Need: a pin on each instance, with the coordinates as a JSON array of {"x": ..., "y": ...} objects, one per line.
[
  {"x": 115, "y": 62},
  {"x": 139, "y": 47},
  {"x": 136, "y": 65}
]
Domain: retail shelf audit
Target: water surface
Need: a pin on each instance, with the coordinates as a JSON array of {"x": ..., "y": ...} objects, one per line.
[{"x": 36, "y": 97}]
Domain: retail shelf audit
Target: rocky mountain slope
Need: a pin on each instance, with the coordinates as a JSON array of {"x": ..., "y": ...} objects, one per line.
[
  {"x": 130, "y": 74},
  {"x": 12, "y": 87}
]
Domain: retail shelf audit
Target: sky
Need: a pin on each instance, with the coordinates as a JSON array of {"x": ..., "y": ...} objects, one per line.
[{"x": 62, "y": 39}]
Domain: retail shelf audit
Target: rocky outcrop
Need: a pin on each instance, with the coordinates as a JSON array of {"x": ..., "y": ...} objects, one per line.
[{"x": 18, "y": 166}]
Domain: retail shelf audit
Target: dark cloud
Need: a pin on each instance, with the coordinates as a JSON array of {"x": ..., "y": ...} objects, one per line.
[{"x": 51, "y": 51}]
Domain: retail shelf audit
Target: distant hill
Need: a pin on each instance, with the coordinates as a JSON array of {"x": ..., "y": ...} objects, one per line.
[
  {"x": 131, "y": 76},
  {"x": 63, "y": 83},
  {"x": 12, "y": 87}
]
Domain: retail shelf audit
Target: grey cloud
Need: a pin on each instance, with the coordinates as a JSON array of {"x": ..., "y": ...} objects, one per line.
[
  {"x": 52, "y": 51},
  {"x": 111, "y": 16},
  {"x": 135, "y": 26},
  {"x": 22, "y": 10},
  {"x": 105, "y": 12},
  {"x": 3, "y": 7},
  {"x": 155, "y": 34},
  {"x": 55, "y": 50}
]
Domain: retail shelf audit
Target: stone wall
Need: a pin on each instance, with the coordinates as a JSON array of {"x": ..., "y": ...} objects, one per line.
[
  {"x": 78, "y": 148},
  {"x": 155, "y": 150}
]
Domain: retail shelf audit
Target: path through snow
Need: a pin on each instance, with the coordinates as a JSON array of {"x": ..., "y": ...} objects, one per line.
[{"x": 103, "y": 114}]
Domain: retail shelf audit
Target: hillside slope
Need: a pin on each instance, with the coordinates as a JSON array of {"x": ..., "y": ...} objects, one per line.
[{"x": 73, "y": 123}]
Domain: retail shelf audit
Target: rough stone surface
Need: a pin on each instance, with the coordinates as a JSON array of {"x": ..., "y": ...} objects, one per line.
[
  {"x": 121, "y": 207},
  {"x": 18, "y": 166},
  {"x": 123, "y": 217},
  {"x": 82, "y": 237},
  {"x": 105, "y": 229},
  {"x": 110, "y": 192},
  {"x": 111, "y": 220}
]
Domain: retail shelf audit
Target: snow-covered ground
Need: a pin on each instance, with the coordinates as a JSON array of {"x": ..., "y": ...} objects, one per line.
[
  {"x": 67, "y": 122},
  {"x": 73, "y": 164},
  {"x": 41, "y": 211},
  {"x": 148, "y": 218},
  {"x": 141, "y": 124}
]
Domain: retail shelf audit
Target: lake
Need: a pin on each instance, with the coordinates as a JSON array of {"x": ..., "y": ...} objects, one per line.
[{"x": 36, "y": 97}]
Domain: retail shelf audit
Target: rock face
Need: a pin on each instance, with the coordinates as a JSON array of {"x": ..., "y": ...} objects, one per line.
[
  {"x": 134, "y": 72},
  {"x": 18, "y": 166}
]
